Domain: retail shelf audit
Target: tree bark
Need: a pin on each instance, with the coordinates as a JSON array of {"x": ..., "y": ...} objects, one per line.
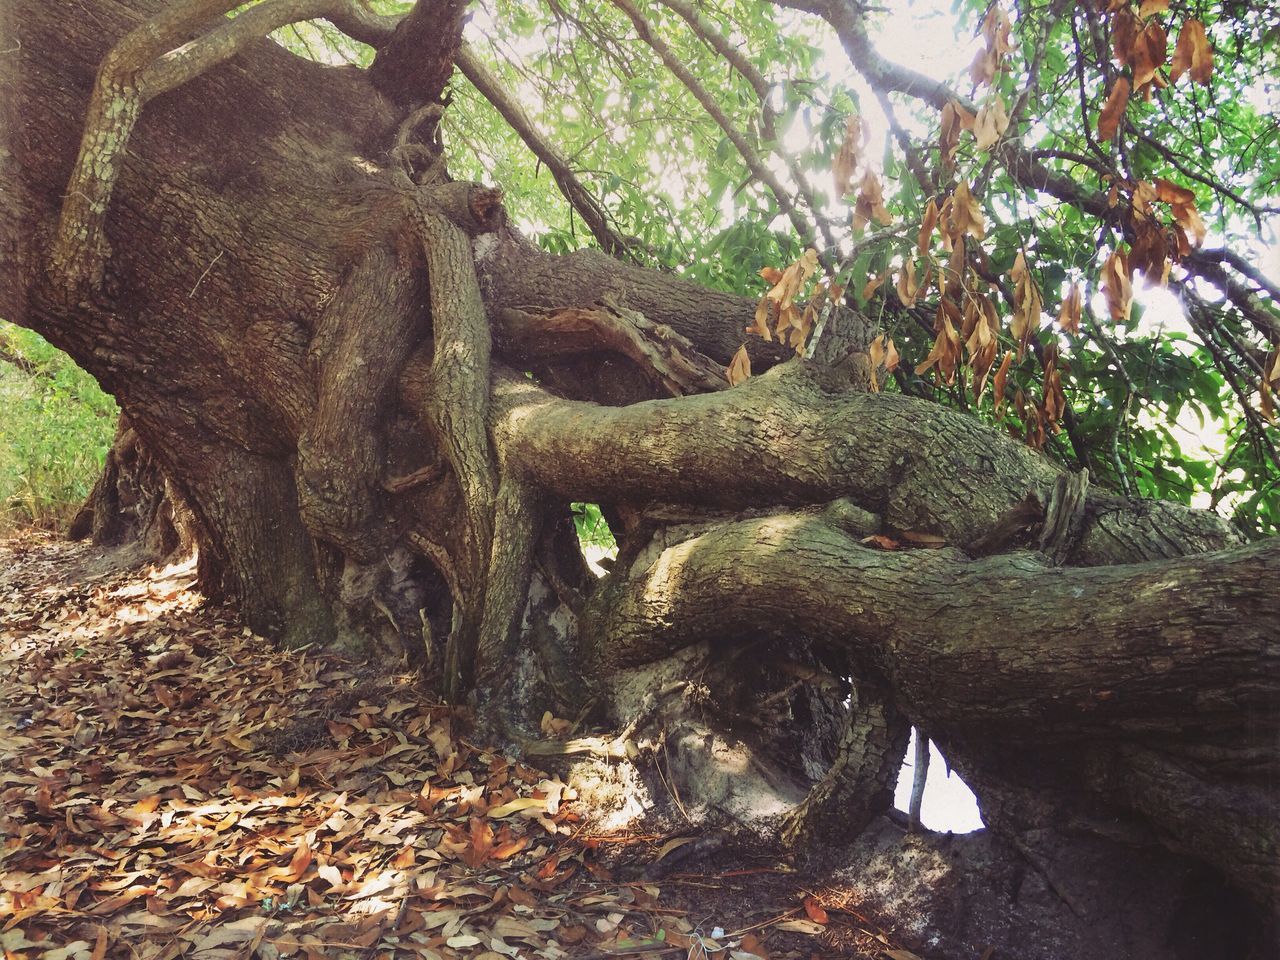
[{"x": 323, "y": 348}]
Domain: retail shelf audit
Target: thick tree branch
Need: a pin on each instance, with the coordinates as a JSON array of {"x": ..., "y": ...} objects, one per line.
[
  {"x": 151, "y": 60},
  {"x": 782, "y": 437},
  {"x": 1007, "y": 653},
  {"x": 414, "y": 64}
]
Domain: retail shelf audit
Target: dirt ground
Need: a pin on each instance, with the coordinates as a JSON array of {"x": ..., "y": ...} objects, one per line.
[{"x": 171, "y": 786}]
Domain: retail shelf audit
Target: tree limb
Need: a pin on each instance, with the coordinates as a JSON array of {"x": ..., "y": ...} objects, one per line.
[{"x": 581, "y": 199}]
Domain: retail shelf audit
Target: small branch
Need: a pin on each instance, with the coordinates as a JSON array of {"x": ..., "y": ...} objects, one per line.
[
  {"x": 579, "y": 197},
  {"x": 17, "y": 360},
  {"x": 758, "y": 170},
  {"x": 1241, "y": 265},
  {"x": 717, "y": 41}
]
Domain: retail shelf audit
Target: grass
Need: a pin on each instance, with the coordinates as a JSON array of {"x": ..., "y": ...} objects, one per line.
[
  {"x": 55, "y": 430},
  {"x": 57, "y": 427}
]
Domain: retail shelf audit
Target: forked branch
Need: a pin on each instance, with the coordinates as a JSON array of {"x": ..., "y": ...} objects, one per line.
[{"x": 154, "y": 58}]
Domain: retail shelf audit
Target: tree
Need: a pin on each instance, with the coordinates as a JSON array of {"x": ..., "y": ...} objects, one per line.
[{"x": 379, "y": 399}]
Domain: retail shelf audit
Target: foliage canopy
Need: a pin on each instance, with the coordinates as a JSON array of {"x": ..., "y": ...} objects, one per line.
[{"x": 1162, "y": 395}]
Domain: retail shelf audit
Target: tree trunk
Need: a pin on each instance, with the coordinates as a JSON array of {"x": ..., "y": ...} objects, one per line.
[{"x": 323, "y": 343}]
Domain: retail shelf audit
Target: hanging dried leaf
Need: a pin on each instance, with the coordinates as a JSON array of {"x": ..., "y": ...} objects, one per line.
[
  {"x": 1113, "y": 110},
  {"x": 1149, "y": 251},
  {"x": 1189, "y": 222},
  {"x": 907, "y": 289},
  {"x": 872, "y": 285},
  {"x": 1117, "y": 285},
  {"x": 998, "y": 382},
  {"x": 997, "y": 31},
  {"x": 1143, "y": 193},
  {"x": 1148, "y": 55},
  {"x": 891, "y": 358},
  {"x": 966, "y": 215},
  {"x": 927, "y": 224},
  {"x": 1168, "y": 192},
  {"x": 1028, "y": 304},
  {"x": 984, "y": 66},
  {"x": 760, "y": 324},
  {"x": 1192, "y": 53},
  {"x": 884, "y": 356},
  {"x": 982, "y": 345},
  {"x": 739, "y": 367},
  {"x": 1124, "y": 33},
  {"x": 990, "y": 124},
  {"x": 1150, "y": 8},
  {"x": 955, "y": 118},
  {"x": 870, "y": 203},
  {"x": 850, "y": 155},
  {"x": 945, "y": 354},
  {"x": 1069, "y": 312}
]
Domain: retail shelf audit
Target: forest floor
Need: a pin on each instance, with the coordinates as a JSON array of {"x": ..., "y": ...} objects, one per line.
[{"x": 171, "y": 786}]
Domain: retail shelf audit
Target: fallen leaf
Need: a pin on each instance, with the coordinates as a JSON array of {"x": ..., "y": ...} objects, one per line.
[
  {"x": 800, "y": 926},
  {"x": 813, "y": 910},
  {"x": 673, "y": 844}
]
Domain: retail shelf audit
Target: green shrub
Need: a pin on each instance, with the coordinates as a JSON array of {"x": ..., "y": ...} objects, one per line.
[{"x": 56, "y": 426}]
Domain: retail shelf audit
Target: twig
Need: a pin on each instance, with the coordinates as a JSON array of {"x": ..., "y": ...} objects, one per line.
[{"x": 205, "y": 274}]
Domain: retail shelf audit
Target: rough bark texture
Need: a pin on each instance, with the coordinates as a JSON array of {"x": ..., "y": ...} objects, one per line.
[
  {"x": 133, "y": 503},
  {"x": 324, "y": 347}
]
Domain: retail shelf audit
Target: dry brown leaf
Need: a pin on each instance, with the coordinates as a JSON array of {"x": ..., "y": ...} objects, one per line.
[
  {"x": 966, "y": 215},
  {"x": 945, "y": 354},
  {"x": 813, "y": 910},
  {"x": 1028, "y": 304},
  {"x": 739, "y": 368},
  {"x": 1124, "y": 33},
  {"x": 673, "y": 844},
  {"x": 1113, "y": 109},
  {"x": 850, "y": 155},
  {"x": 1193, "y": 53},
  {"x": 1150, "y": 8},
  {"x": 1117, "y": 285},
  {"x": 954, "y": 119},
  {"x": 998, "y": 384},
  {"x": 881, "y": 541},
  {"x": 927, "y": 223},
  {"x": 906, "y": 286},
  {"x": 990, "y": 124},
  {"x": 1069, "y": 312},
  {"x": 870, "y": 203},
  {"x": 800, "y": 926},
  {"x": 1150, "y": 49}
]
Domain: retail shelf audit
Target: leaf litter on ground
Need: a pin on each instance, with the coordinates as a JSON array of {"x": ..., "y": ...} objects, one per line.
[{"x": 171, "y": 785}]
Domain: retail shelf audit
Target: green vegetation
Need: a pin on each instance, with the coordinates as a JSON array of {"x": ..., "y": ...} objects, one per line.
[
  {"x": 54, "y": 434},
  {"x": 1162, "y": 401}
]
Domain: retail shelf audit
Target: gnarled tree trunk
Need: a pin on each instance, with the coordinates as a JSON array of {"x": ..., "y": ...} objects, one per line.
[{"x": 378, "y": 402}]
